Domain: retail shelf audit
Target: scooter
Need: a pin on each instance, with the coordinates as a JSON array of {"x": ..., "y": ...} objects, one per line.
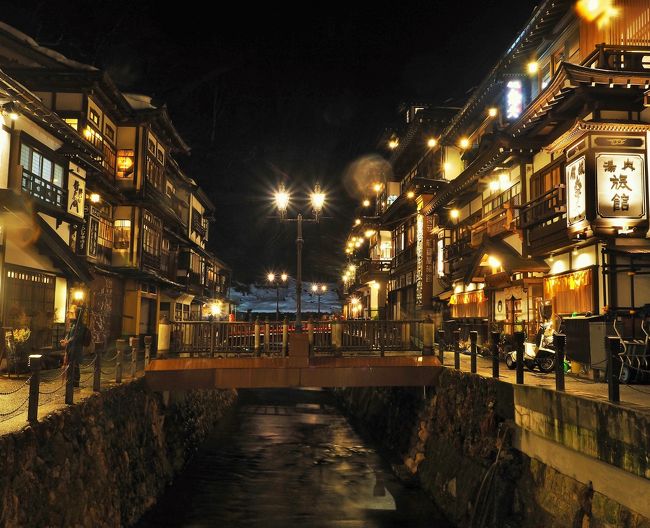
[{"x": 541, "y": 352}]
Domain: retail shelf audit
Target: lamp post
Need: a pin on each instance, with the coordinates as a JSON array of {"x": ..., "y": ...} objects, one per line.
[
  {"x": 318, "y": 290},
  {"x": 272, "y": 279},
  {"x": 282, "y": 199}
]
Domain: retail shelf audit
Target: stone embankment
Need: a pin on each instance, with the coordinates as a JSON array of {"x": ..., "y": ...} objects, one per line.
[
  {"x": 104, "y": 461},
  {"x": 493, "y": 454}
]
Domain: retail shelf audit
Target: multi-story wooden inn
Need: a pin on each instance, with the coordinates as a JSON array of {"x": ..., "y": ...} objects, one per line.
[
  {"x": 539, "y": 183},
  {"x": 95, "y": 208}
]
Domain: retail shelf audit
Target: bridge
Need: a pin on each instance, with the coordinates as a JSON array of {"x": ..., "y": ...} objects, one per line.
[{"x": 209, "y": 355}]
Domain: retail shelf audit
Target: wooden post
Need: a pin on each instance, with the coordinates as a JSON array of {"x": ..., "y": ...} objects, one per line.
[
  {"x": 441, "y": 346},
  {"x": 267, "y": 337},
  {"x": 119, "y": 357},
  {"x": 147, "y": 350},
  {"x": 97, "y": 373},
  {"x": 310, "y": 331},
  {"x": 496, "y": 336},
  {"x": 456, "y": 334},
  {"x": 337, "y": 336},
  {"x": 213, "y": 337},
  {"x": 285, "y": 336},
  {"x": 520, "y": 337},
  {"x": 559, "y": 341},
  {"x": 34, "y": 383},
  {"x": 134, "y": 342},
  {"x": 427, "y": 336},
  {"x": 257, "y": 337},
  {"x": 613, "y": 349},
  {"x": 473, "y": 339},
  {"x": 69, "y": 379}
]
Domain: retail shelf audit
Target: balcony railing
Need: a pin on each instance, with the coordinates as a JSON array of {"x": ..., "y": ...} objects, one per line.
[
  {"x": 544, "y": 207},
  {"x": 621, "y": 58},
  {"x": 150, "y": 260},
  {"x": 43, "y": 190},
  {"x": 169, "y": 264},
  {"x": 404, "y": 257}
]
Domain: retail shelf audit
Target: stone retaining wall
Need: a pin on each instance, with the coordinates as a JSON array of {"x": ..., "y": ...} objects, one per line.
[
  {"x": 448, "y": 439},
  {"x": 104, "y": 461}
]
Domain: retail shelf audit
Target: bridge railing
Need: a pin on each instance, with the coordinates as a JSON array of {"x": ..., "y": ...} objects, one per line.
[{"x": 271, "y": 338}]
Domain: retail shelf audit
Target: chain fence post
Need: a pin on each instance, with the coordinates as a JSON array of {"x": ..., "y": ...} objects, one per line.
[{"x": 34, "y": 386}]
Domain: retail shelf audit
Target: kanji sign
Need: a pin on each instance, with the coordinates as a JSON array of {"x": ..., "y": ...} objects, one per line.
[
  {"x": 575, "y": 191},
  {"x": 621, "y": 185}
]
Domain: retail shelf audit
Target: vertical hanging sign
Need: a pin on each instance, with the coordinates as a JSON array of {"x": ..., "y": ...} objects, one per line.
[{"x": 575, "y": 191}]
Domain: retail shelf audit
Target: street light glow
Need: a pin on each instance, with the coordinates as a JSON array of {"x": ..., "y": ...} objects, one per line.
[
  {"x": 366, "y": 203},
  {"x": 323, "y": 288},
  {"x": 532, "y": 67},
  {"x": 270, "y": 277},
  {"x": 284, "y": 277},
  {"x": 314, "y": 287},
  {"x": 432, "y": 142},
  {"x": 464, "y": 143},
  {"x": 317, "y": 199},
  {"x": 492, "y": 112},
  {"x": 376, "y": 187},
  {"x": 282, "y": 199},
  {"x": 357, "y": 221}
]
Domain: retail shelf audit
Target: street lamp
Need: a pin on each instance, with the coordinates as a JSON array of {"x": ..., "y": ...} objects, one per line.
[
  {"x": 318, "y": 290},
  {"x": 272, "y": 279},
  {"x": 282, "y": 200}
]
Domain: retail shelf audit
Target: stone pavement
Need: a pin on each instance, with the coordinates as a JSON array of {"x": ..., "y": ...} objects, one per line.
[{"x": 634, "y": 396}]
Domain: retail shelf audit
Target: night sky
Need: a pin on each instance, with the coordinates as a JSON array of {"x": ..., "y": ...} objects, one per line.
[{"x": 269, "y": 94}]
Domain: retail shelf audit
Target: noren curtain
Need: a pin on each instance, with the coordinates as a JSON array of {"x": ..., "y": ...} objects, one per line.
[{"x": 571, "y": 292}]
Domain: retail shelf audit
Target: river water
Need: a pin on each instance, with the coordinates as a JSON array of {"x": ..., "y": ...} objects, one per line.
[{"x": 288, "y": 458}]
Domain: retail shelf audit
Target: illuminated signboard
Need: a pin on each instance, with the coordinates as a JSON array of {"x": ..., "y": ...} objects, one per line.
[
  {"x": 514, "y": 99},
  {"x": 440, "y": 260},
  {"x": 621, "y": 185},
  {"x": 575, "y": 194}
]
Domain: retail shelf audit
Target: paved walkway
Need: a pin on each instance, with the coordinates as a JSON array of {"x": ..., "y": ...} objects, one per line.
[{"x": 634, "y": 396}]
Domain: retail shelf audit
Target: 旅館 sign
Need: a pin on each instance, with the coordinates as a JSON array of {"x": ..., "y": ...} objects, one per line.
[
  {"x": 621, "y": 188},
  {"x": 576, "y": 191}
]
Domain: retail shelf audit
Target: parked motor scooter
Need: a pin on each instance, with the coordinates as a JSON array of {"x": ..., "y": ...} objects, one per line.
[{"x": 541, "y": 352}]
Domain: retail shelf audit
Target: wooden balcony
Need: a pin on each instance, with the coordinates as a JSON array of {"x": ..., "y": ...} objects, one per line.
[
  {"x": 542, "y": 220},
  {"x": 404, "y": 257},
  {"x": 619, "y": 58},
  {"x": 370, "y": 270},
  {"x": 543, "y": 208},
  {"x": 150, "y": 260},
  {"x": 43, "y": 190},
  {"x": 169, "y": 264}
]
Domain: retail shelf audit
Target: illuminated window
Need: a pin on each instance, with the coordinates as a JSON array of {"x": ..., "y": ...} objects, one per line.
[
  {"x": 93, "y": 116},
  {"x": 74, "y": 123},
  {"x": 125, "y": 164},
  {"x": 122, "y": 234}
]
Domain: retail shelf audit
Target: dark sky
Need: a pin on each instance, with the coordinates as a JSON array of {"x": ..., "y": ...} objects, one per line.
[{"x": 266, "y": 93}]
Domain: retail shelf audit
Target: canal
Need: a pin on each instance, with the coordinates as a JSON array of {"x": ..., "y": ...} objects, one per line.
[{"x": 289, "y": 458}]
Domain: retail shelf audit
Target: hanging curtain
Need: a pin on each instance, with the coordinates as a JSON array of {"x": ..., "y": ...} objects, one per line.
[
  {"x": 470, "y": 304},
  {"x": 571, "y": 292}
]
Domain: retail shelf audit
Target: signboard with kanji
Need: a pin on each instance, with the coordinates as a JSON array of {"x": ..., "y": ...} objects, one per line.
[
  {"x": 621, "y": 185},
  {"x": 575, "y": 191}
]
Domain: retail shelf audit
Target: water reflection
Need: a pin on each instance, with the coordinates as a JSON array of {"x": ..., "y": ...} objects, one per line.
[{"x": 287, "y": 458}]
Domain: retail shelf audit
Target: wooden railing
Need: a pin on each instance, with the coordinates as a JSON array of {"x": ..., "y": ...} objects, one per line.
[
  {"x": 544, "y": 207},
  {"x": 621, "y": 58},
  {"x": 211, "y": 338},
  {"x": 43, "y": 190}
]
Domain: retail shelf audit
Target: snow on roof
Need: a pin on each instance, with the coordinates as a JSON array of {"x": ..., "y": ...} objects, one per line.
[
  {"x": 139, "y": 101},
  {"x": 54, "y": 55}
]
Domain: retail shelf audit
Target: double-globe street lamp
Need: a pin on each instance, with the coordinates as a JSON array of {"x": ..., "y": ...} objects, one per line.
[
  {"x": 282, "y": 201},
  {"x": 318, "y": 290},
  {"x": 272, "y": 279}
]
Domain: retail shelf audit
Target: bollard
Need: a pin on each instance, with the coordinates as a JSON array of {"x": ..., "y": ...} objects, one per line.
[
  {"x": 520, "y": 337},
  {"x": 285, "y": 336},
  {"x": 119, "y": 357},
  {"x": 613, "y": 349},
  {"x": 310, "y": 331},
  {"x": 267, "y": 337},
  {"x": 456, "y": 334},
  {"x": 147, "y": 350},
  {"x": 69, "y": 379},
  {"x": 496, "y": 336},
  {"x": 473, "y": 338},
  {"x": 559, "y": 342},
  {"x": 427, "y": 336},
  {"x": 97, "y": 373},
  {"x": 134, "y": 342},
  {"x": 441, "y": 346},
  {"x": 257, "y": 337},
  {"x": 34, "y": 382}
]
